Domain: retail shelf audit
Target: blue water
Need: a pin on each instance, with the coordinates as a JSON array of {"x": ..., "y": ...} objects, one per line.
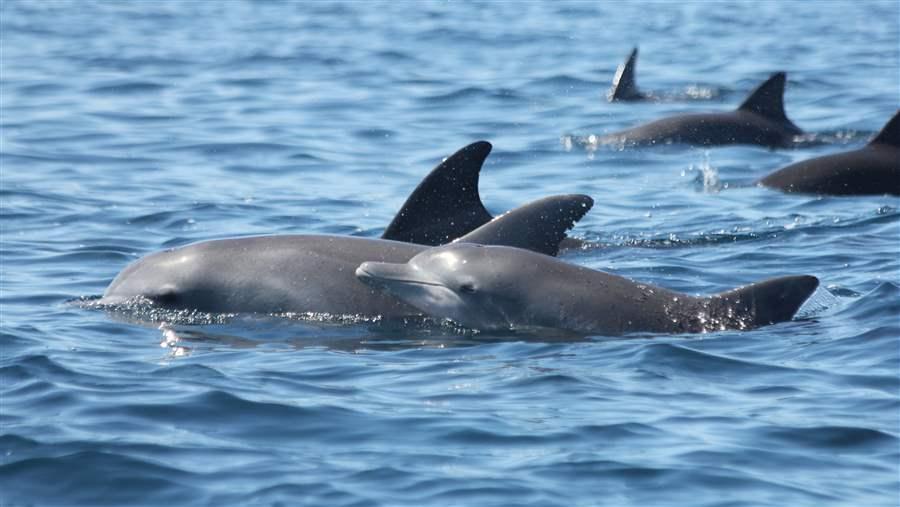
[{"x": 128, "y": 127}]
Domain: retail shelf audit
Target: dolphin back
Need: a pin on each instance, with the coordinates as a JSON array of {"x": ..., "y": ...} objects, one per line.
[
  {"x": 446, "y": 204},
  {"x": 890, "y": 133},
  {"x": 763, "y": 303}
]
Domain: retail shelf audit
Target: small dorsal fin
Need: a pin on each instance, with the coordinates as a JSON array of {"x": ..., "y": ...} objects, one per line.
[
  {"x": 446, "y": 204},
  {"x": 762, "y": 303},
  {"x": 538, "y": 226},
  {"x": 890, "y": 133},
  {"x": 768, "y": 99},
  {"x": 624, "y": 86}
]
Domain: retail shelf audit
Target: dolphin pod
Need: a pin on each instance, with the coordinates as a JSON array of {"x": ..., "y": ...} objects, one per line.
[
  {"x": 494, "y": 287},
  {"x": 871, "y": 170},
  {"x": 446, "y": 256},
  {"x": 759, "y": 120}
]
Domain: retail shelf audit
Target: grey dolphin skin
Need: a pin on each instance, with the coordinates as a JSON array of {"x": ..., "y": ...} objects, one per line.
[
  {"x": 493, "y": 287},
  {"x": 871, "y": 170},
  {"x": 313, "y": 273},
  {"x": 446, "y": 204},
  {"x": 624, "y": 87},
  {"x": 760, "y": 120}
]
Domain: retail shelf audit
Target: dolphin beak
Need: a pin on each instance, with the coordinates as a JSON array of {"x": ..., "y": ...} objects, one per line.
[{"x": 386, "y": 274}]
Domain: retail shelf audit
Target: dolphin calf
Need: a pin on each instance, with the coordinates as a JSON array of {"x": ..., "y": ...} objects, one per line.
[
  {"x": 313, "y": 273},
  {"x": 624, "y": 87},
  {"x": 759, "y": 120},
  {"x": 871, "y": 170},
  {"x": 494, "y": 287}
]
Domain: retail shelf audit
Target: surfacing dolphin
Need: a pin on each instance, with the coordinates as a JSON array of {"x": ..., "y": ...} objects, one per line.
[
  {"x": 502, "y": 288},
  {"x": 759, "y": 120},
  {"x": 871, "y": 170},
  {"x": 313, "y": 273}
]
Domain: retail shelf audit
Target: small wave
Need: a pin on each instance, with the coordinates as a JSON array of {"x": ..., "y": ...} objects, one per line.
[
  {"x": 128, "y": 88},
  {"x": 241, "y": 148},
  {"x": 842, "y": 439}
]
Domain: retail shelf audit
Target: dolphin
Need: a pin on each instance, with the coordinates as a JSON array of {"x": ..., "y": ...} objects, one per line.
[
  {"x": 624, "y": 87},
  {"x": 871, "y": 170},
  {"x": 759, "y": 120},
  {"x": 313, "y": 273},
  {"x": 446, "y": 203},
  {"x": 503, "y": 288}
]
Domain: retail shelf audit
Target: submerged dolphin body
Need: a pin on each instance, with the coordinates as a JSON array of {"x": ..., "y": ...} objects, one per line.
[
  {"x": 871, "y": 170},
  {"x": 759, "y": 120},
  {"x": 493, "y": 287},
  {"x": 313, "y": 273}
]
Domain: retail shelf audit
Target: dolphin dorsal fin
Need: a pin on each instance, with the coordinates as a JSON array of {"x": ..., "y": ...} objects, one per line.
[
  {"x": 768, "y": 99},
  {"x": 446, "y": 204},
  {"x": 624, "y": 86},
  {"x": 890, "y": 133},
  {"x": 767, "y": 302},
  {"x": 538, "y": 226}
]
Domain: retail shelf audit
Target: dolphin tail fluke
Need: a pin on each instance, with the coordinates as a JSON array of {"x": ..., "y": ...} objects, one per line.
[
  {"x": 624, "y": 86},
  {"x": 446, "y": 204},
  {"x": 538, "y": 226},
  {"x": 890, "y": 133},
  {"x": 768, "y": 100},
  {"x": 759, "y": 304}
]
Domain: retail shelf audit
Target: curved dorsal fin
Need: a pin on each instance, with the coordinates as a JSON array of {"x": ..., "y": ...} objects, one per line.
[
  {"x": 538, "y": 226},
  {"x": 762, "y": 303},
  {"x": 768, "y": 99},
  {"x": 890, "y": 133},
  {"x": 446, "y": 204},
  {"x": 624, "y": 86}
]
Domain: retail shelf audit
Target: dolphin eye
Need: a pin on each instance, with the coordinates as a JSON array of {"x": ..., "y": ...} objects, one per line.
[
  {"x": 467, "y": 288},
  {"x": 169, "y": 297}
]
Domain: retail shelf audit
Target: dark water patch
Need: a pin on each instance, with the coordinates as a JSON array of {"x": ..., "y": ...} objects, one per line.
[
  {"x": 298, "y": 59},
  {"x": 94, "y": 478},
  {"x": 843, "y": 439},
  {"x": 133, "y": 63},
  {"x": 231, "y": 149},
  {"x": 128, "y": 88},
  {"x": 471, "y": 93},
  {"x": 884, "y": 300},
  {"x": 127, "y": 117},
  {"x": 248, "y": 82},
  {"x": 41, "y": 89}
]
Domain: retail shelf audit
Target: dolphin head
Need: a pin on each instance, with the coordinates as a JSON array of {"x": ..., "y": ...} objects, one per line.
[
  {"x": 160, "y": 278},
  {"x": 473, "y": 285}
]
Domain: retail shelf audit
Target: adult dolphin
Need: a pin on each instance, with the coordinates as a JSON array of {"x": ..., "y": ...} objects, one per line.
[
  {"x": 446, "y": 204},
  {"x": 493, "y": 287},
  {"x": 759, "y": 120},
  {"x": 313, "y": 273},
  {"x": 871, "y": 170},
  {"x": 624, "y": 87}
]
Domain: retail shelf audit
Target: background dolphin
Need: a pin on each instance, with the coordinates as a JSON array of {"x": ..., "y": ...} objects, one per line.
[
  {"x": 491, "y": 287},
  {"x": 313, "y": 273},
  {"x": 624, "y": 87},
  {"x": 871, "y": 170},
  {"x": 759, "y": 120}
]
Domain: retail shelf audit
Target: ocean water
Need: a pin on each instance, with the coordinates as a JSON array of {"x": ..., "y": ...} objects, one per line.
[{"x": 129, "y": 127}]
